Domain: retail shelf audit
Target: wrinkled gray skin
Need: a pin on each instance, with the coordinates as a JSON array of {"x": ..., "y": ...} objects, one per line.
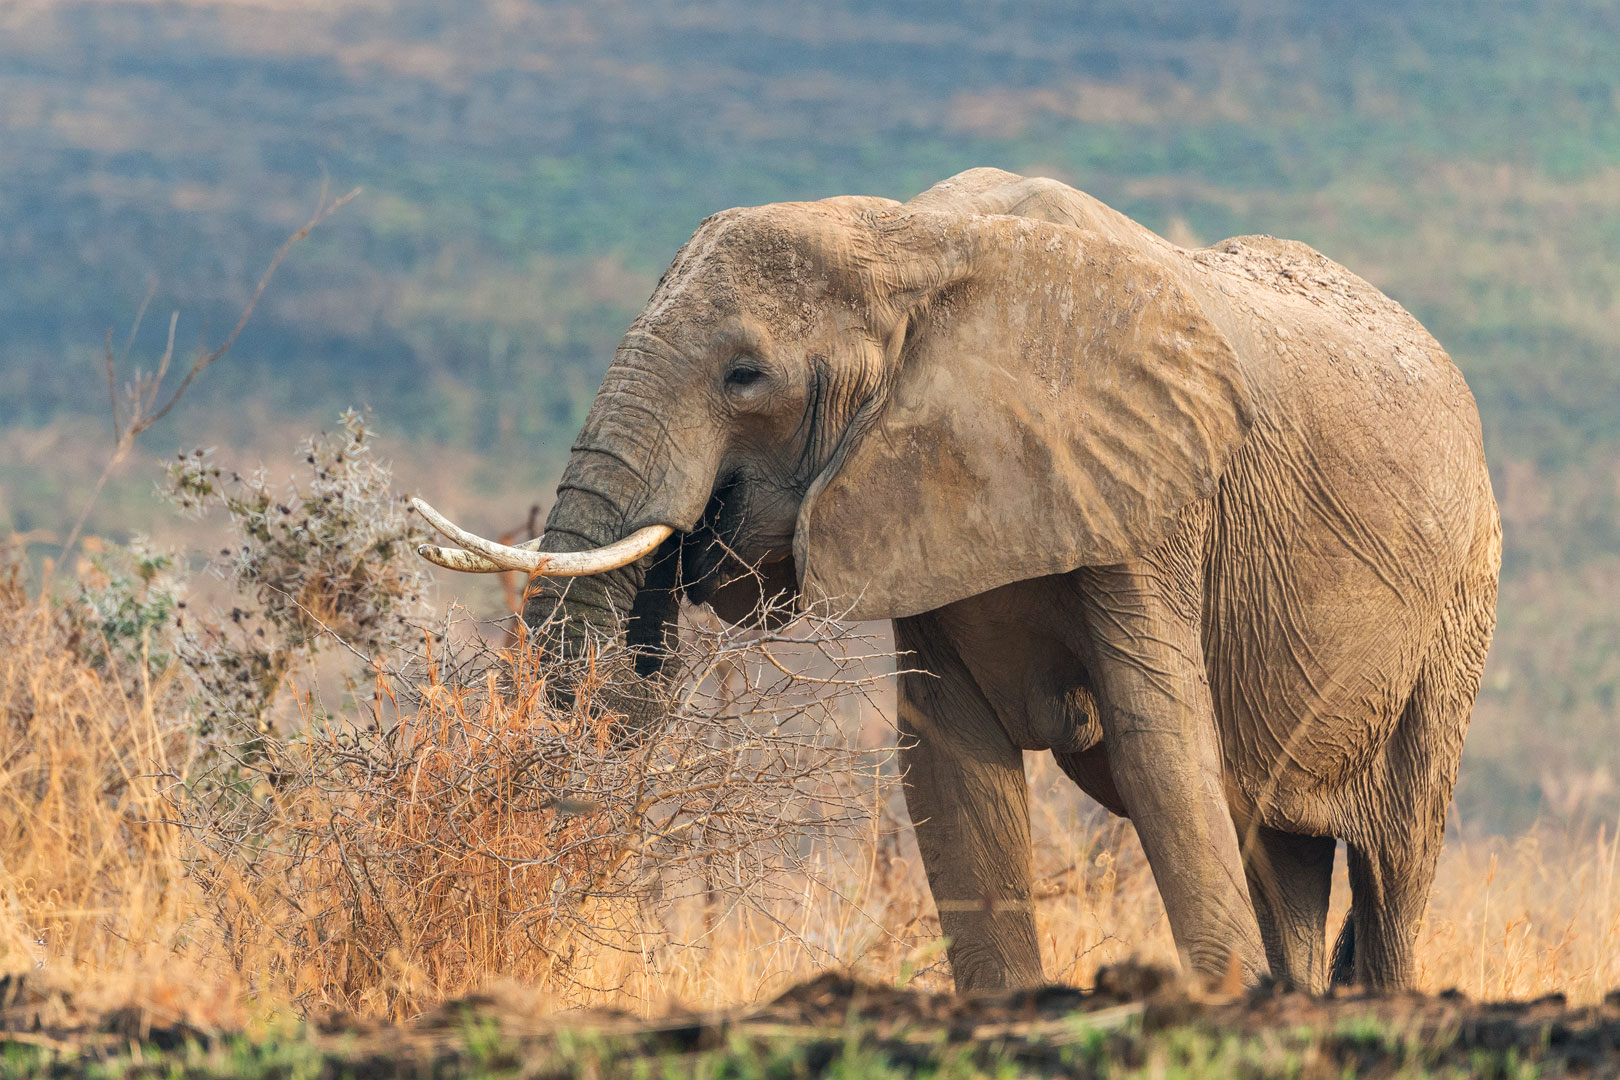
[{"x": 1212, "y": 526}]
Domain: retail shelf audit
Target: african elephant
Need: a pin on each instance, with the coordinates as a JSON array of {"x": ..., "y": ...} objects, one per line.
[{"x": 1213, "y": 526}]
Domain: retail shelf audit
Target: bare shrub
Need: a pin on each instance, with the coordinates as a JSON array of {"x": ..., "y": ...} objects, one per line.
[
  {"x": 326, "y": 561},
  {"x": 450, "y": 824},
  {"x": 466, "y": 826},
  {"x": 458, "y": 822}
]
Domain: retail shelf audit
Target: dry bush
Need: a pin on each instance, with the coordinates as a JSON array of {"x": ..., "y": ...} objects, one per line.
[
  {"x": 466, "y": 826},
  {"x": 462, "y": 820},
  {"x": 474, "y": 824}
]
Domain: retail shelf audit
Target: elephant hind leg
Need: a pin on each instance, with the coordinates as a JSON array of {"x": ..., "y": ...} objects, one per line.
[
  {"x": 1290, "y": 881},
  {"x": 1390, "y": 892},
  {"x": 1393, "y": 856},
  {"x": 1392, "y": 865}
]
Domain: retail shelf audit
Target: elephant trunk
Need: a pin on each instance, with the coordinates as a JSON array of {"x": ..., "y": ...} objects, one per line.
[
  {"x": 631, "y": 605},
  {"x": 623, "y": 479},
  {"x": 627, "y": 498},
  {"x": 585, "y": 517}
]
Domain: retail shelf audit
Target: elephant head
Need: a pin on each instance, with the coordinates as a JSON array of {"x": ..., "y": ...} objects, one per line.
[{"x": 885, "y": 407}]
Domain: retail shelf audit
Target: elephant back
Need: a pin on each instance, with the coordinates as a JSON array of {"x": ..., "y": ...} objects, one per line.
[{"x": 995, "y": 191}]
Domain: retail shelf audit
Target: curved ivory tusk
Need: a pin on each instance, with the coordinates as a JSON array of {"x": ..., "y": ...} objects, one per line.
[
  {"x": 465, "y": 561},
  {"x": 456, "y": 559},
  {"x": 486, "y": 556}
]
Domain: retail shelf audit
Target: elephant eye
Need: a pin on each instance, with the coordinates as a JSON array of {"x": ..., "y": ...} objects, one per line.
[{"x": 743, "y": 375}]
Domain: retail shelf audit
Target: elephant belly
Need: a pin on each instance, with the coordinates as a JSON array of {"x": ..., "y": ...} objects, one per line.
[{"x": 1016, "y": 644}]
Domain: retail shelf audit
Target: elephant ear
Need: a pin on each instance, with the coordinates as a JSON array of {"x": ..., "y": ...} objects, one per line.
[{"x": 1055, "y": 399}]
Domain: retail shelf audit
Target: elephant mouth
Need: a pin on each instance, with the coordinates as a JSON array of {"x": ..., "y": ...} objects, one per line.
[{"x": 733, "y": 539}]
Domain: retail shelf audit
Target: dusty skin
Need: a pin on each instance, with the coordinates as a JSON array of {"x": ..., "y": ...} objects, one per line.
[{"x": 1212, "y": 526}]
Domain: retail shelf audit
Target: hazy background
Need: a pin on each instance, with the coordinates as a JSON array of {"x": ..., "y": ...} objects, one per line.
[{"x": 531, "y": 167}]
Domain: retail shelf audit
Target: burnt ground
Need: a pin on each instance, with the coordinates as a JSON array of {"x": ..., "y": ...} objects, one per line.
[{"x": 1136, "y": 1021}]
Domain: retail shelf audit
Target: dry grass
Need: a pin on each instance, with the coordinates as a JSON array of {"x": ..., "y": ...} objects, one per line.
[
  {"x": 469, "y": 823},
  {"x": 100, "y": 892},
  {"x": 1525, "y": 916},
  {"x": 92, "y": 885}
]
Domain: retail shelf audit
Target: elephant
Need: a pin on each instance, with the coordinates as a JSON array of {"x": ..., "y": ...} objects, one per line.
[{"x": 1213, "y": 526}]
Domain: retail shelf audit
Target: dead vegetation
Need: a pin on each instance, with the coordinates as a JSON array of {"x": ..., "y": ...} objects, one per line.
[
  {"x": 464, "y": 825},
  {"x": 326, "y": 802}
]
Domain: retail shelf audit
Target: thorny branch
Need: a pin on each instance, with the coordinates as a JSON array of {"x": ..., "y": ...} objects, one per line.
[{"x": 488, "y": 805}]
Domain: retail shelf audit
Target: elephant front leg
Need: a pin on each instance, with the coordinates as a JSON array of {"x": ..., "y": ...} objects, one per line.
[
  {"x": 969, "y": 804},
  {"x": 1163, "y": 750}
]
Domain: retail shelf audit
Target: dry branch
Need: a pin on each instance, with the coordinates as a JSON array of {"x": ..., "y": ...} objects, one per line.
[
  {"x": 473, "y": 822},
  {"x": 141, "y": 394}
]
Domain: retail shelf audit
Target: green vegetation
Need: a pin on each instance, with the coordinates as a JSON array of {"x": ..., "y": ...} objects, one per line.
[{"x": 531, "y": 168}]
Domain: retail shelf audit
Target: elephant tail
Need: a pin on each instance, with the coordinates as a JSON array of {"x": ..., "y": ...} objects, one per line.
[{"x": 1344, "y": 955}]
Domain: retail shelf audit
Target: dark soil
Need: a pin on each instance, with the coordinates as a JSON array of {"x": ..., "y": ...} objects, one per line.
[{"x": 1135, "y": 1019}]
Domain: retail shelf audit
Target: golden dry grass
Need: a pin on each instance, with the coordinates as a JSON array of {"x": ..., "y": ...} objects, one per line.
[
  {"x": 92, "y": 886},
  {"x": 95, "y": 888}
]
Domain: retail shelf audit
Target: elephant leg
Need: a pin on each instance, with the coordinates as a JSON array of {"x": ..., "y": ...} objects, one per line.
[
  {"x": 969, "y": 804},
  {"x": 1290, "y": 881},
  {"x": 1389, "y": 886},
  {"x": 1163, "y": 749},
  {"x": 1394, "y": 853},
  {"x": 1393, "y": 858}
]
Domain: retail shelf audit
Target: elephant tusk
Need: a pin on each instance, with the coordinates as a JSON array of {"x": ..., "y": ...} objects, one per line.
[
  {"x": 456, "y": 559},
  {"x": 483, "y": 556}
]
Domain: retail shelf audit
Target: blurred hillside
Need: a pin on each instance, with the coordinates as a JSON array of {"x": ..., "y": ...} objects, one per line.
[{"x": 531, "y": 167}]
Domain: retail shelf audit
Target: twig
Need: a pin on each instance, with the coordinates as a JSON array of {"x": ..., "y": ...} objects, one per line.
[{"x": 143, "y": 416}]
